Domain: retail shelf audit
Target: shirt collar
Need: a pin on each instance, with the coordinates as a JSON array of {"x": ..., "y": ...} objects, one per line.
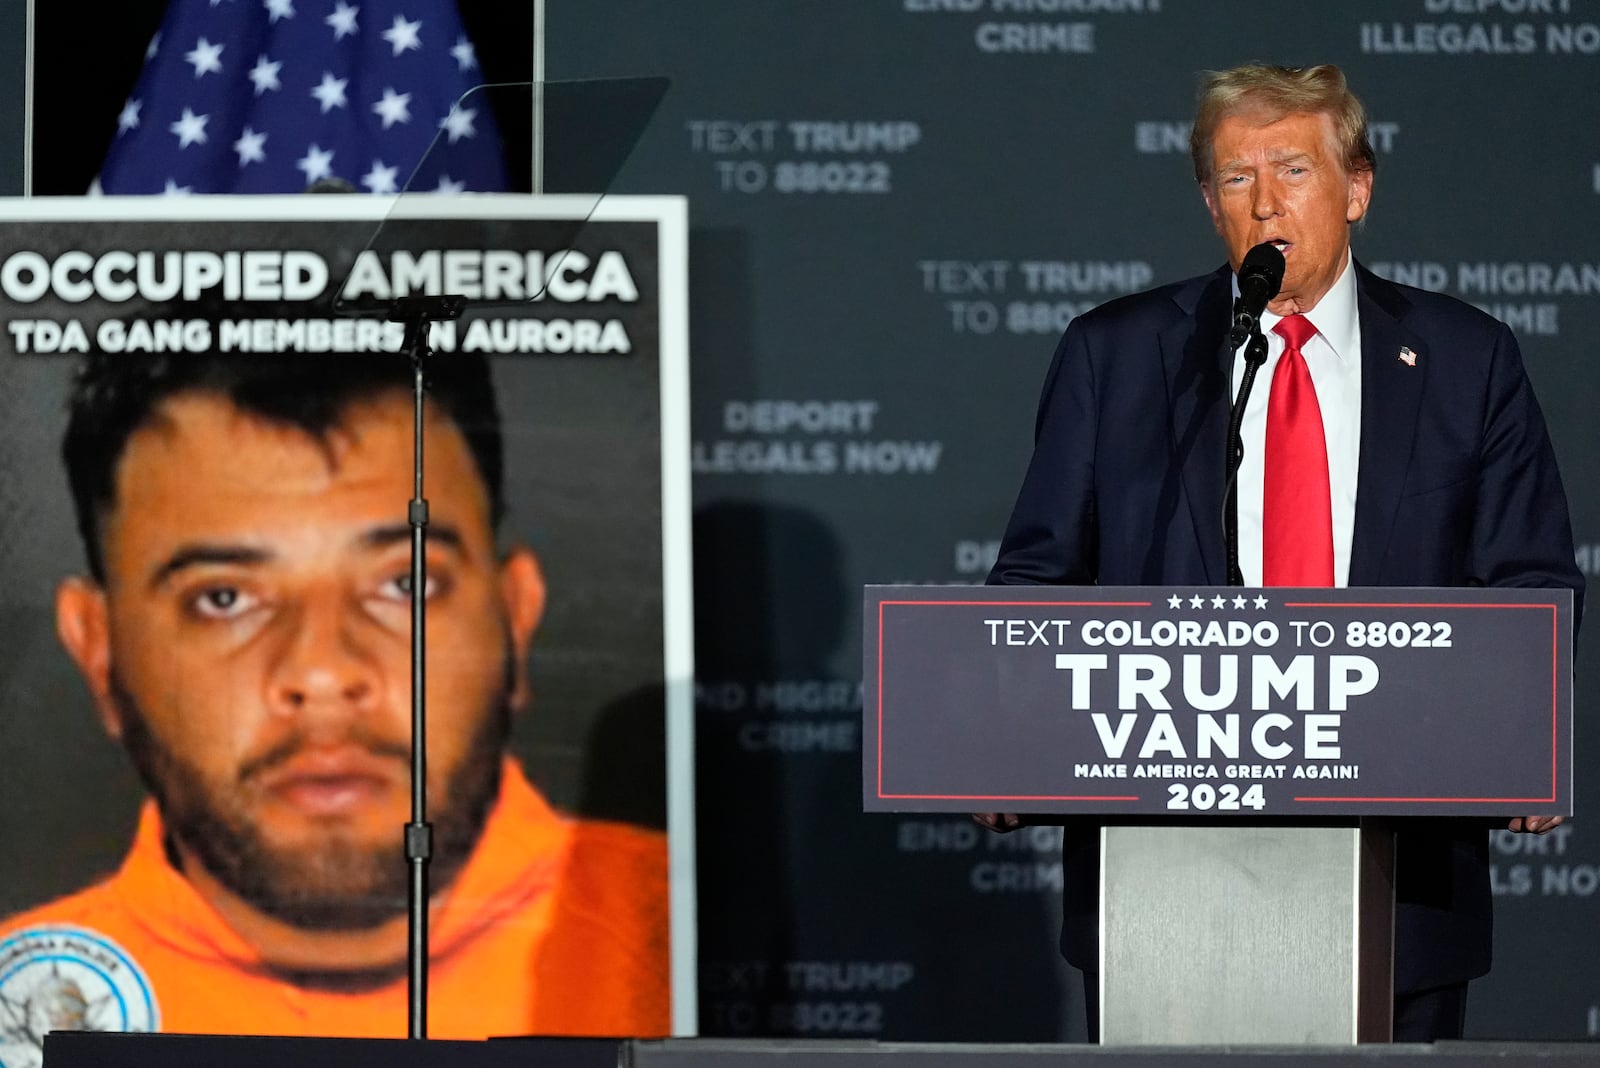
[{"x": 1334, "y": 315}]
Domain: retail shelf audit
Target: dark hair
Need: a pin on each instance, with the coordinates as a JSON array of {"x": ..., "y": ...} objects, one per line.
[{"x": 113, "y": 396}]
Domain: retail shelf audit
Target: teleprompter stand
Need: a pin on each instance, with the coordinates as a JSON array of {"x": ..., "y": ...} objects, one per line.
[{"x": 419, "y": 314}]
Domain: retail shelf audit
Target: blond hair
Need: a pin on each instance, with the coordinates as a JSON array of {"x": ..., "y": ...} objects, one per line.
[{"x": 1267, "y": 94}]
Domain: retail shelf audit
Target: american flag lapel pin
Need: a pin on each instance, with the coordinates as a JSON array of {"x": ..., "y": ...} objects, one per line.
[{"x": 1407, "y": 357}]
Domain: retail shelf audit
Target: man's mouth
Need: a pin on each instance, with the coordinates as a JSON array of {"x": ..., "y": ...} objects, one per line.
[
  {"x": 1280, "y": 244},
  {"x": 331, "y": 782}
]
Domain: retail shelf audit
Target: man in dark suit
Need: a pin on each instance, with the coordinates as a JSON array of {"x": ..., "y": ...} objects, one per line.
[{"x": 1427, "y": 457}]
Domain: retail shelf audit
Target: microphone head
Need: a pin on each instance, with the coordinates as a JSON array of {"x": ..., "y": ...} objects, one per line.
[{"x": 1266, "y": 262}]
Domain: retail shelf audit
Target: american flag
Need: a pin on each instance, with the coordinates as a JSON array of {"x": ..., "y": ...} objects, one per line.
[{"x": 273, "y": 96}]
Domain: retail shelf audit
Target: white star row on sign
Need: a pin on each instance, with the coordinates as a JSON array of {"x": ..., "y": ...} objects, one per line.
[{"x": 1217, "y": 601}]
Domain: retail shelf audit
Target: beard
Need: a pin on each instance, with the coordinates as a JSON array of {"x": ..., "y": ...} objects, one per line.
[{"x": 336, "y": 882}]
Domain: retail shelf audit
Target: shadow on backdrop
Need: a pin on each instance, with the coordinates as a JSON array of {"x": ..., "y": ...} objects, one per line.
[{"x": 817, "y": 919}]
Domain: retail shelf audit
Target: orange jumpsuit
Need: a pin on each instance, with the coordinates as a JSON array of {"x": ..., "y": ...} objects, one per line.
[{"x": 554, "y": 926}]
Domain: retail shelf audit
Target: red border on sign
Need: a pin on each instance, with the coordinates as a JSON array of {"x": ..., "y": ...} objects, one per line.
[
  {"x": 1555, "y": 709},
  {"x": 986, "y": 797}
]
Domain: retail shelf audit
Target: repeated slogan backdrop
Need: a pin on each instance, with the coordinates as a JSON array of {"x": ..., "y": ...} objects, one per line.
[{"x": 896, "y": 206}]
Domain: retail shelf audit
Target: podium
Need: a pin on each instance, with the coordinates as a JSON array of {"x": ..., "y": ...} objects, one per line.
[
  {"x": 1242, "y": 752},
  {"x": 1271, "y": 934}
]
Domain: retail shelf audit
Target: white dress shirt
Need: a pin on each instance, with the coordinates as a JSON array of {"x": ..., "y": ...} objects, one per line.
[{"x": 1334, "y": 359}]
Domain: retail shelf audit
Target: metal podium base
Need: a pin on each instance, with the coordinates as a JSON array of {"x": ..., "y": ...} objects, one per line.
[{"x": 1250, "y": 933}]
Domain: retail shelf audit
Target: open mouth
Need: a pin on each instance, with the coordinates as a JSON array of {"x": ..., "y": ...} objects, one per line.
[{"x": 1280, "y": 244}]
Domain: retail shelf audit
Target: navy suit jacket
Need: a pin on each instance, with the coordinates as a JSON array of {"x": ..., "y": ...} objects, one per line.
[{"x": 1457, "y": 486}]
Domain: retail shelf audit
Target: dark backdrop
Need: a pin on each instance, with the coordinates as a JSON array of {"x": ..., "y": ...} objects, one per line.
[{"x": 895, "y": 206}]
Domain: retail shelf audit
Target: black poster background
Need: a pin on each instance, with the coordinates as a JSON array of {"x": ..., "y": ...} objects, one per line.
[
  {"x": 13, "y": 122},
  {"x": 816, "y": 919}
]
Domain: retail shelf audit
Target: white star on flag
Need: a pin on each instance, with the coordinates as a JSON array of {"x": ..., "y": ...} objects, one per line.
[
  {"x": 190, "y": 128},
  {"x": 343, "y": 20},
  {"x": 316, "y": 164},
  {"x": 394, "y": 107},
  {"x": 264, "y": 75},
  {"x": 458, "y": 123},
  {"x": 205, "y": 56},
  {"x": 331, "y": 85},
  {"x": 129, "y": 119},
  {"x": 173, "y": 189},
  {"x": 330, "y": 92},
  {"x": 403, "y": 35},
  {"x": 248, "y": 146},
  {"x": 380, "y": 179}
]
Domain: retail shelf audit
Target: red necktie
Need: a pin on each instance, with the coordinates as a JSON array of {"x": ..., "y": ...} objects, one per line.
[{"x": 1296, "y": 506}]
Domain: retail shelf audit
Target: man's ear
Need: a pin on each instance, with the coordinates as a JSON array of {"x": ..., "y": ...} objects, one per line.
[
  {"x": 82, "y": 625},
  {"x": 522, "y": 596},
  {"x": 1360, "y": 195}
]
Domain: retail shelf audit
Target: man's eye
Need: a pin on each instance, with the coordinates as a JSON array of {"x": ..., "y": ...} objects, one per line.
[
  {"x": 398, "y": 588},
  {"x": 223, "y": 602}
]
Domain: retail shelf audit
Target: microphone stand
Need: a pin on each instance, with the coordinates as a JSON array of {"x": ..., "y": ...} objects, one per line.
[
  {"x": 418, "y": 313},
  {"x": 1255, "y": 354}
]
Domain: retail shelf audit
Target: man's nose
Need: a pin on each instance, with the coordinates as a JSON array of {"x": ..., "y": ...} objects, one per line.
[
  {"x": 323, "y": 665},
  {"x": 1266, "y": 199}
]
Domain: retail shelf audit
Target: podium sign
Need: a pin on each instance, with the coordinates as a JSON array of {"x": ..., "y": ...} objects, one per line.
[{"x": 1205, "y": 701}]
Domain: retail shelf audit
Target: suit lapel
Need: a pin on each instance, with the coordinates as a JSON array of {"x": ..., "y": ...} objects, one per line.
[
  {"x": 1198, "y": 392},
  {"x": 1391, "y": 391}
]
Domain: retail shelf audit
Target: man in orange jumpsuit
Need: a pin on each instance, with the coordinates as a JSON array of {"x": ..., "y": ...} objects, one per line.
[{"x": 244, "y": 631}]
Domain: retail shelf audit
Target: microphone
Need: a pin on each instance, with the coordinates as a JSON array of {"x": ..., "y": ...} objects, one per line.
[{"x": 1260, "y": 277}]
